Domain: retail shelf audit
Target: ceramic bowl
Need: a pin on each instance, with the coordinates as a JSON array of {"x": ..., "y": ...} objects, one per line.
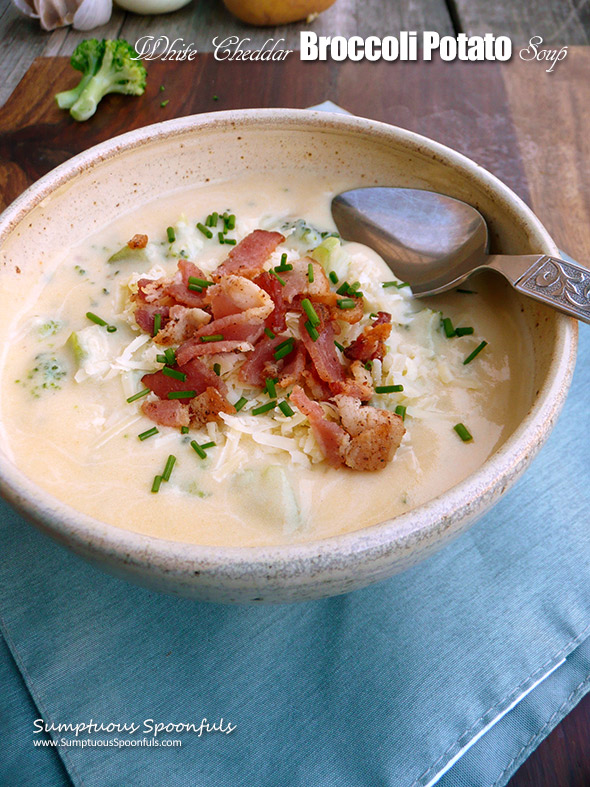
[{"x": 82, "y": 194}]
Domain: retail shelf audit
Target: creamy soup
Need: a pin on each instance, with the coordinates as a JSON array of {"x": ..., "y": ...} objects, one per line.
[{"x": 262, "y": 477}]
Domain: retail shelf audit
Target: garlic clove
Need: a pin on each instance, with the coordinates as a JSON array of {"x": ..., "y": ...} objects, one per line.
[{"x": 92, "y": 13}]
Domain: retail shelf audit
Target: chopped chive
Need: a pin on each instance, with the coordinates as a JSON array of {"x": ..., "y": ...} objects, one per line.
[
  {"x": 148, "y": 433},
  {"x": 280, "y": 346},
  {"x": 382, "y": 389},
  {"x": 466, "y": 292},
  {"x": 269, "y": 333},
  {"x": 395, "y": 284},
  {"x": 340, "y": 347},
  {"x": 369, "y": 365},
  {"x": 286, "y": 409},
  {"x": 276, "y": 275},
  {"x": 240, "y": 403},
  {"x": 217, "y": 368},
  {"x": 230, "y": 242},
  {"x": 208, "y": 221},
  {"x": 448, "y": 327},
  {"x": 467, "y": 331},
  {"x": 208, "y": 445},
  {"x": 161, "y": 359},
  {"x": 472, "y": 355},
  {"x": 138, "y": 395},
  {"x": 111, "y": 328},
  {"x": 463, "y": 432},
  {"x": 312, "y": 331},
  {"x": 343, "y": 289},
  {"x": 310, "y": 276},
  {"x": 283, "y": 350},
  {"x": 333, "y": 277},
  {"x": 401, "y": 411},
  {"x": 284, "y": 258},
  {"x": 346, "y": 303},
  {"x": 354, "y": 287},
  {"x": 198, "y": 449},
  {"x": 214, "y": 218},
  {"x": 231, "y": 222},
  {"x": 168, "y": 469},
  {"x": 221, "y": 238},
  {"x": 170, "y": 356},
  {"x": 215, "y": 337},
  {"x": 195, "y": 288},
  {"x": 270, "y": 388},
  {"x": 200, "y": 282},
  {"x": 184, "y": 430},
  {"x": 174, "y": 373},
  {"x": 264, "y": 408},
  {"x": 373, "y": 316},
  {"x": 95, "y": 318},
  {"x": 157, "y": 324},
  {"x": 311, "y": 312},
  {"x": 284, "y": 268},
  {"x": 156, "y": 484},
  {"x": 171, "y": 234},
  {"x": 207, "y": 233},
  {"x": 182, "y": 394}
]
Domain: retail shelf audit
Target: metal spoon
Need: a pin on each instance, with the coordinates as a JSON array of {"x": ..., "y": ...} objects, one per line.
[{"x": 435, "y": 242}]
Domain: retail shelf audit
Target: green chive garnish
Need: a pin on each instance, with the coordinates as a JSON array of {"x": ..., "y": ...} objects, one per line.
[
  {"x": 170, "y": 356},
  {"x": 111, "y": 328},
  {"x": 340, "y": 347},
  {"x": 208, "y": 445},
  {"x": 174, "y": 373},
  {"x": 229, "y": 241},
  {"x": 395, "y": 284},
  {"x": 182, "y": 394},
  {"x": 184, "y": 430},
  {"x": 264, "y": 408},
  {"x": 286, "y": 409},
  {"x": 310, "y": 272},
  {"x": 276, "y": 275},
  {"x": 333, "y": 277},
  {"x": 346, "y": 303},
  {"x": 217, "y": 368},
  {"x": 161, "y": 359},
  {"x": 448, "y": 328},
  {"x": 214, "y": 217},
  {"x": 149, "y": 433},
  {"x": 269, "y": 333},
  {"x": 382, "y": 389},
  {"x": 230, "y": 222},
  {"x": 215, "y": 337},
  {"x": 463, "y": 432},
  {"x": 354, "y": 287},
  {"x": 199, "y": 282},
  {"x": 95, "y": 318},
  {"x": 467, "y": 331},
  {"x": 284, "y": 268},
  {"x": 157, "y": 324},
  {"x": 472, "y": 355},
  {"x": 195, "y": 288},
  {"x": 343, "y": 289},
  {"x": 197, "y": 448},
  {"x": 311, "y": 312},
  {"x": 240, "y": 403},
  {"x": 312, "y": 331},
  {"x": 270, "y": 388},
  {"x": 168, "y": 469},
  {"x": 138, "y": 395},
  {"x": 401, "y": 411},
  {"x": 369, "y": 365},
  {"x": 221, "y": 238},
  {"x": 206, "y": 232},
  {"x": 284, "y": 258},
  {"x": 171, "y": 234},
  {"x": 284, "y": 349},
  {"x": 156, "y": 484}
]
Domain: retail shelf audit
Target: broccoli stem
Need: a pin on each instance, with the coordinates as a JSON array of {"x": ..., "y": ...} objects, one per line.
[
  {"x": 67, "y": 98},
  {"x": 90, "y": 97}
]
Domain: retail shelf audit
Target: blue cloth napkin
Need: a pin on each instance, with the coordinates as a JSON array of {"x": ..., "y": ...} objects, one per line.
[{"x": 390, "y": 685}]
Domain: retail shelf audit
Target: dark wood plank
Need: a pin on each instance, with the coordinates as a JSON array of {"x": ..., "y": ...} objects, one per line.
[{"x": 557, "y": 21}]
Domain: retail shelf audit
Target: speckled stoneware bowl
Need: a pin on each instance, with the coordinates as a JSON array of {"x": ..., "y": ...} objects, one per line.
[{"x": 94, "y": 187}]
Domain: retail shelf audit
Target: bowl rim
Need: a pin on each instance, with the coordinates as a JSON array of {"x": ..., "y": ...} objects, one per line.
[{"x": 450, "y": 511}]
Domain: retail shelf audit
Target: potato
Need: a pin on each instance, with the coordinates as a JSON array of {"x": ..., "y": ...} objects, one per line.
[{"x": 268, "y": 13}]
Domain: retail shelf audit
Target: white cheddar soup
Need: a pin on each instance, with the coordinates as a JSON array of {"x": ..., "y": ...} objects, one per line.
[{"x": 297, "y": 392}]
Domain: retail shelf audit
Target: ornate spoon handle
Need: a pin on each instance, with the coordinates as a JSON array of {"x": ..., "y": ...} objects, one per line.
[{"x": 562, "y": 284}]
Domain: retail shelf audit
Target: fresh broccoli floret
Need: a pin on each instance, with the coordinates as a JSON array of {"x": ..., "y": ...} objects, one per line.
[
  {"x": 86, "y": 58},
  {"x": 119, "y": 71}
]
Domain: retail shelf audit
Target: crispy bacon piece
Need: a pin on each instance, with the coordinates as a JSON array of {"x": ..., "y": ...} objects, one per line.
[
  {"x": 297, "y": 282},
  {"x": 375, "y": 434},
  {"x": 359, "y": 384},
  {"x": 294, "y": 366},
  {"x": 144, "y": 316},
  {"x": 182, "y": 324},
  {"x": 370, "y": 345},
  {"x": 248, "y": 257},
  {"x": 167, "y": 412},
  {"x": 138, "y": 242},
  {"x": 318, "y": 389},
  {"x": 348, "y": 315},
  {"x": 207, "y": 406},
  {"x": 177, "y": 287},
  {"x": 198, "y": 378},
  {"x": 323, "y": 351},
  {"x": 195, "y": 348},
  {"x": 261, "y": 364},
  {"x": 271, "y": 285},
  {"x": 331, "y": 437}
]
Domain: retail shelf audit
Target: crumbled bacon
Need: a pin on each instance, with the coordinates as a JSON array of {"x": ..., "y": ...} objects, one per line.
[
  {"x": 144, "y": 316},
  {"x": 323, "y": 351},
  {"x": 330, "y": 436},
  {"x": 206, "y": 407},
  {"x": 167, "y": 412},
  {"x": 261, "y": 364},
  {"x": 181, "y": 325},
  {"x": 294, "y": 366},
  {"x": 319, "y": 390},
  {"x": 270, "y": 284},
  {"x": 249, "y": 256},
  {"x": 370, "y": 345},
  {"x": 297, "y": 282},
  {"x": 198, "y": 378},
  {"x": 153, "y": 292},
  {"x": 178, "y": 287},
  {"x": 358, "y": 385},
  {"x": 138, "y": 242}
]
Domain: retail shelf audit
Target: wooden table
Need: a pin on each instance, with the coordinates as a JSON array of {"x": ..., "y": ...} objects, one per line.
[{"x": 529, "y": 128}]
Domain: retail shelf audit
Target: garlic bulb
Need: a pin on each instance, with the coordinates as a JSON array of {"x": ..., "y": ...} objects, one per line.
[{"x": 82, "y": 14}]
